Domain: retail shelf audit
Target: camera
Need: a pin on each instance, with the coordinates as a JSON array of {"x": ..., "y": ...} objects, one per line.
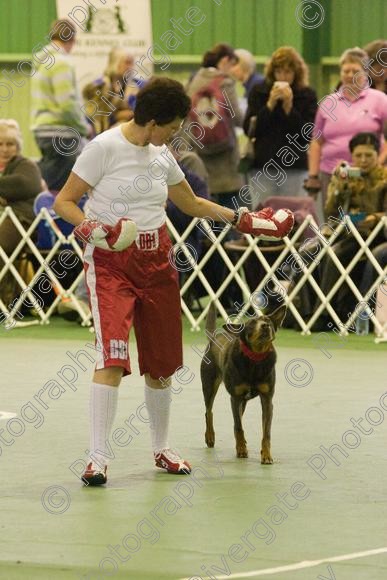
[{"x": 346, "y": 171}]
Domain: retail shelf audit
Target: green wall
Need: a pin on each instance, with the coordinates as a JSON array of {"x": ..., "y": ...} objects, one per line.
[
  {"x": 258, "y": 25},
  {"x": 356, "y": 22},
  {"x": 24, "y": 23}
]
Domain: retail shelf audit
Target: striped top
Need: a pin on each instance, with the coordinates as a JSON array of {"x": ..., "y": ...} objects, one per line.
[{"x": 55, "y": 99}]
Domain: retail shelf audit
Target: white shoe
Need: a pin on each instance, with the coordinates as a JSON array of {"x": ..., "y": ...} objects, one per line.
[{"x": 172, "y": 462}]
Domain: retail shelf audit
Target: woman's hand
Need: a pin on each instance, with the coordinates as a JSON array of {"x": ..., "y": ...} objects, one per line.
[
  {"x": 312, "y": 185},
  {"x": 275, "y": 95},
  {"x": 338, "y": 170},
  {"x": 287, "y": 99},
  {"x": 3, "y": 201}
]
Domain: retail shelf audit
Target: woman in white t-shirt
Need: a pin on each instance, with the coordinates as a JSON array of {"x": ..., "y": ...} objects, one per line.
[{"x": 129, "y": 173}]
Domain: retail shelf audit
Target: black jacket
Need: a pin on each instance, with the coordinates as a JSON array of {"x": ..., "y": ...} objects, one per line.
[
  {"x": 20, "y": 183},
  {"x": 272, "y": 126}
]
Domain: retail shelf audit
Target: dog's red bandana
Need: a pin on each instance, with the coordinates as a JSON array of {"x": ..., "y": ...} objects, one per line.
[{"x": 254, "y": 356}]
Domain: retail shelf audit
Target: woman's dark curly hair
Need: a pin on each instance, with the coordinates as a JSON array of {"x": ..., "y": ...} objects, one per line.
[
  {"x": 365, "y": 139},
  {"x": 162, "y": 100},
  {"x": 213, "y": 56}
]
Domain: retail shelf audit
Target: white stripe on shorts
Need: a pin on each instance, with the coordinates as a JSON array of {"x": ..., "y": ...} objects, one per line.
[{"x": 91, "y": 283}]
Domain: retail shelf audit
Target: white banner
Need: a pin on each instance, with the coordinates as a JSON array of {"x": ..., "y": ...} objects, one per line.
[{"x": 102, "y": 25}]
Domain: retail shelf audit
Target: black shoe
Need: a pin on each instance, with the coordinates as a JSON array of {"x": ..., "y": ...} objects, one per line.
[{"x": 93, "y": 476}]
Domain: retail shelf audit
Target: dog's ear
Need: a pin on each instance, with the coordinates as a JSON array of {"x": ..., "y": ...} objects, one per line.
[
  {"x": 278, "y": 315},
  {"x": 234, "y": 329}
]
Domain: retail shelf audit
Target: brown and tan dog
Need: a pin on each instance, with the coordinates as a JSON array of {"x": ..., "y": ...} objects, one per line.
[{"x": 243, "y": 358}]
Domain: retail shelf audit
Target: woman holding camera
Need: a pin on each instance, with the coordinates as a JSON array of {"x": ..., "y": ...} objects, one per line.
[
  {"x": 282, "y": 105},
  {"x": 359, "y": 191}
]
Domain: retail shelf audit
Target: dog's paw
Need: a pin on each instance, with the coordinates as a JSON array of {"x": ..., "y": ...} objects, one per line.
[
  {"x": 266, "y": 459},
  {"x": 210, "y": 439},
  {"x": 242, "y": 452}
]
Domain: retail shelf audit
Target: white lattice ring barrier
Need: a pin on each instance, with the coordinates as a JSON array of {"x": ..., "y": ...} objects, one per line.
[{"x": 10, "y": 315}]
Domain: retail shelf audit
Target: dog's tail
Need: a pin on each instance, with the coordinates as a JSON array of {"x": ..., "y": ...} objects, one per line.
[{"x": 211, "y": 319}]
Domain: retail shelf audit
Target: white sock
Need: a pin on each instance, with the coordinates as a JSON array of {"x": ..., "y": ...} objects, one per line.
[
  {"x": 103, "y": 407},
  {"x": 158, "y": 402}
]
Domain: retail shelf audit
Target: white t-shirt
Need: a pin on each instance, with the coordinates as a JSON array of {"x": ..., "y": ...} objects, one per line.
[{"x": 127, "y": 181}]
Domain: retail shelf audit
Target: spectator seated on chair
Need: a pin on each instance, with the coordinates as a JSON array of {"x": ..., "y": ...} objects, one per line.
[
  {"x": 360, "y": 193},
  {"x": 20, "y": 181},
  {"x": 47, "y": 239}
]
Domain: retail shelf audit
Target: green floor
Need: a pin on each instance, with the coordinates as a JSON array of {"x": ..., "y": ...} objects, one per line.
[
  {"x": 64, "y": 330},
  {"x": 177, "y": 528}
]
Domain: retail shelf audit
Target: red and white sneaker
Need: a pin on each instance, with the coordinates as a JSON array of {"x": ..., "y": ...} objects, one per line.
[
  {"x": 172, "y": 462},
  {"x": 94, "y": 475}
]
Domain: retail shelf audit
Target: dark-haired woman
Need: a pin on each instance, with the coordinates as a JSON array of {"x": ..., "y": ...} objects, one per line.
[
  {"x": 283, "y": 106},
  {"x": 129, "y": 174},
  {"x": 364, "y": 199}
]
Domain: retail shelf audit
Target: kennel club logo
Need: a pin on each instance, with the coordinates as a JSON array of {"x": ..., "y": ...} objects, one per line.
[
  {"x": 105, "y": 24},
  {"x": 106, "y": 21}
]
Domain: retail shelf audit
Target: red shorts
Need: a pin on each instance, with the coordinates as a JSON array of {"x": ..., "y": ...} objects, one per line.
[{"x": 137, "y": 287}]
